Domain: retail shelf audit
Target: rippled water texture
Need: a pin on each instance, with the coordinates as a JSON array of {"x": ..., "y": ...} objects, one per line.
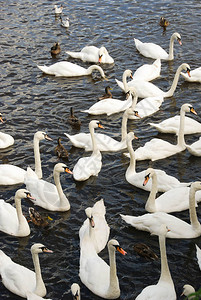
[{"x": 31, "y": 101}]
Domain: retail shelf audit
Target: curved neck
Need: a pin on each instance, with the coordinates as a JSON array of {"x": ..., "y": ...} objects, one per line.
[
  {"x": 192, "y": 210},
  {"x": 38, "y": 168},
  {"x": 21, "y": 219},
  {"x": 174, "y": 84},
  {"x": 171, "y": 46},
  {"x": 165, "y": 272},
  {"x": 114, "y": 282},
  {"x": 124, "y": 126},
  {"x": 180, "y": 138},
  {"x": 62, "y": 197},
  {"x": 132, "y": 164},
  {"x": 40, "y": 286},
  {"x": 134, "y": 102},
  {"x": 95, "y": 67},
  {"x": 151, "y": 204},
  {"x": 124, "y": 80},
  {"x": 93, "y": 139}
]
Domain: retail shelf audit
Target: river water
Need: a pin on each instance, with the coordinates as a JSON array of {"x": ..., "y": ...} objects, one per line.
[{"x": 31, "y": 101}]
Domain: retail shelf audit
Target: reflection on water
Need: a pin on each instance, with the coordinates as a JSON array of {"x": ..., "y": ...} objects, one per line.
[{"x": 31, "y": 101}]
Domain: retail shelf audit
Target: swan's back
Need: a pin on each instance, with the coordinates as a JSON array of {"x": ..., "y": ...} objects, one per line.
[
  {"x": 6, "y": 140},
  {"x": 10, "y": 174},
  {"x": 8, "y": 218},
  {"x": 162, "y": 290},
  {"x": 151, "y": 50}
]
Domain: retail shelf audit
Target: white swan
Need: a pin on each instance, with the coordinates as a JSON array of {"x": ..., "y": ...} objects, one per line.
[
  {"x": 12, "y": 221},
  {"x": 10, "y": 174},
  {"x": 95, "y": 226},
  {"x": 164, "y": 289},
  {"x": 187, "y": 290},
  {"x": 195, "y": 148},
  {"x": 6, "y": 140},
  {"x": 157, "y": 149},
  {"x": 90, "y": 165},
  {"x": 198, "y": 254},
  {"x": 148, "y": 72},
  {"x": 93, "y": 54},
  {"x": 68, "y": 69},
  {"x": 176, "y": 199},
  {"x": 147, "y": 89},
  {"x": 195, "y": 75},
  {"x": 155, "y": 51},
  {"x": 178, "y": 228},
  {"x": 96, "y": 274},
  {"x": 75, "y": 290},
  {"x": 20, "y": 280},
  {"x": 46, "y": 194},
  {"x": 165, "y": 181},
  {"x": 65, "y": 23},
  {"x": 58, "y": 10},
  {"x": 104, "y": 141},
  {"x": 33, "y": 296}
]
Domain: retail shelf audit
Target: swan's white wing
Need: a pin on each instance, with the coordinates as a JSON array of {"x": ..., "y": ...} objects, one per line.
[
  {"x": 198, "y": 254},
  {"x": 10, "y": 175},
  {"x": 162, "y": 290},
  {"x": 8, "y": 218}
]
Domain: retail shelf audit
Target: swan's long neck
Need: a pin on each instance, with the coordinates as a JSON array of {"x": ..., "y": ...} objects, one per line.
[
  {"x": 131, "y": 168},
  {"x": 22, "y": 221},
  {"x": 40, "y": 289},
  {"x": 62, "y": 197},
  {"x": 171, "y": 48},
  {"x": 192, "y": 210},
  {"x": 124, "y": 126},
  {"x": 174, "y": 84},
  {"x": 93, "y": 139},
  {"x": 150, "y": 204},
  {"x": 180, "y": 138},
  {"x": 165, "y": 272},
  {"x": 38, "y": 168},
  {"x": 95, "y": 67},
  {"x": 114, "y": 282},
  {"x": 124, "y": 80}
]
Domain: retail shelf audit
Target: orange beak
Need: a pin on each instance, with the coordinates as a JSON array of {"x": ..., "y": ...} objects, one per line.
[
  {"x": 100, "y": 126},
  {"x": 99, "y": 60},
  {"x": 121, "y": 250},
  {"x": 188, "y": 73},
  {"x": 68, "y": 171},
  {"x": 193, "y": 111},
  {"x": 146, "y": 180}
]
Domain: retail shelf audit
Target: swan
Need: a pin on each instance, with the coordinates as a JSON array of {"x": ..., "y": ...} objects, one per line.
[
  {"x": 95, "y": 226},
  {"x": 46, "y": 194},
  {"x": 12, "y": 221},
  {"x": 90, "y": 165},
  {"x": 93, "y": 54},
  {"x": 165, "y": 182},
  {"x": 178, "y": 228},
  {"x": 68, "y": 69},
  {"x": 157, "y": 149},
  {"x": 33, "y": 296},
  {"x": 188, "y": 290},
  {"x": 20, "y": 280},
  {"x": 176, "y": 199},
  {"x": 6, "y": 140},
  {"x": 195, "y": 75},
  {"x": 65, "y": 23},
  {"x": 10, "y": 174},
  {"x": 96, "y": 274},
  {"x": 164, "y": 289},
  {"x": 198, "y": 254},
  {"x": 195, "y": 148},
  {"x": 147, "y": 89},
  {"x": 75, "y": 290},
  {"x": 155, "y": 51},
  {"x": 58, "y": 10},
  {"x": 104, "y": 142}
]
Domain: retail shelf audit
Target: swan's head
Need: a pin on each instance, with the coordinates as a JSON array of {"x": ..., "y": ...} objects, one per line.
[
  {"x": 23, "y": 194},
  {"x": 188, "y": 108},
  {"x": 196, "y": 186},
  {"x": 131, "y": 136},
  {"x": 95, "y": 124},
  {"x": 114, "y": 245},
  {"x": 187, "y": 290},
  {"x": 177, "y": 36},
  {"x": 75, "y": 290},
  {"x": 41, "y": 135},
  {"x": 163, "y": 230},
  {"x": 60, "y": 167},
  {"x": 39, "y": 248},
  {"x": 102, "y": 51},
  {"x": 186, "y": 68},
  {"x": 130, "y": 112},
  {"x": 148, "y": 174},
  {"x": 128, "y": 73},
  {"x": 89, "y": 214}
]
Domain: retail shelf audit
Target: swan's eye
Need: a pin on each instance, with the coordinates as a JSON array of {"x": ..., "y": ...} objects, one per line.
[{"x": 43, "y": 248}]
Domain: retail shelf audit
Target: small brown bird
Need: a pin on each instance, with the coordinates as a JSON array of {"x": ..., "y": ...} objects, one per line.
[
  {"x": 55, "y": 49},
  {"x": 60, "y": 150},
  {"x": 73, "y": 120},
  {"x": 107, "y": 94},
  {"x": 163, "y": 22},
  {"x": 37, "y": 219},
  {"x": 145, "y": 251}
]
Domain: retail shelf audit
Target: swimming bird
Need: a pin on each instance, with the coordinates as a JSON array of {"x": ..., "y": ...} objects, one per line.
[
  {"x": 58, "y": 10},
  {"x": 155, "y": 51},
  {"x": 75, "y": 290},
  {"x": 73, "y": 120},
  {"x": 163, "y": 22},
  {"x": 37, "y": 218},
  {"x": 60, "y": 150},
  {"x": 145, "y": 251},
  {"x": 107, "y": 94},
  {"x": 187, "y": 291},
  {"x": 65, "y": 23},
  {"x": 55, "y": 49},
  {"x": 195, "y": 75},
  {"x": 195, "y": 148}
]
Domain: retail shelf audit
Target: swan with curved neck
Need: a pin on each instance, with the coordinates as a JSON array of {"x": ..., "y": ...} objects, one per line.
[
  {"x": 98, "y": 276},
  {"x": 68, "y": 69},
  {"x": 157, "y": 149},
  {"x": 46, "y": 194},
  {"x": 12, "y": 221},
  {"x": 147, "y": 89},
  {"x": 89, "y": 166},
  {"x": 178, "y": 228},
  {"x": 164, "y": 289},
  {"x": 155, "y": 51},
  {"x": 176, "y": 199},
  {"x": 75, "y": 290},
  {"x": 95, "y": 226},
  {"x": 20, "y": 280},
  {"x": 165, "y": 181}
]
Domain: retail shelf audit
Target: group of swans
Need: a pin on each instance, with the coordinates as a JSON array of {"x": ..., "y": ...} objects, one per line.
[{"x": 20, "y": 280}]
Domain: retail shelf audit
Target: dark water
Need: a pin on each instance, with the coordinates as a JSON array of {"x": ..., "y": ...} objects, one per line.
[{"x": 31, "y": 102}]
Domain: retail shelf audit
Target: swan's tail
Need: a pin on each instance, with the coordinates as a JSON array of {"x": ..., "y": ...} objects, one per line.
[
  {"x": 73, "y": 54},
  {"x": 44, "y": 69},
  {"x": 155, "y": 126},
  {"x": 137, "y": 43},
  {"x": 99, "y": 208}
]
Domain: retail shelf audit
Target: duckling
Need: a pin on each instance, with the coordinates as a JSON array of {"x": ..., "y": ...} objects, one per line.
[
  {"x": 65, "y": 23},
  {"x": 60, "y": 151},
  {"x": 163, "y": 22},
  {"x": 107, "y": 94},
  {"x": 73, "y": 120},
  {"x": 58, "y": 10},
  {"x": 37, "y": 219},
  {"x": 55, "y": 49},
  {"x": 145, "y": 251}
]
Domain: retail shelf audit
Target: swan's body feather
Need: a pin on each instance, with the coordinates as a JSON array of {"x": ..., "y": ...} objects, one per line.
[
  {"x": 195, "y": 75},
  {"x": 161, "y": 291},
  {"x": 10, "y": 175},
  {"x": 195, "y": 148},
  {"x": 198, "y": 255},
  {"x": 148, "y": 72},
  {"x": 6, "y": 140}
]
